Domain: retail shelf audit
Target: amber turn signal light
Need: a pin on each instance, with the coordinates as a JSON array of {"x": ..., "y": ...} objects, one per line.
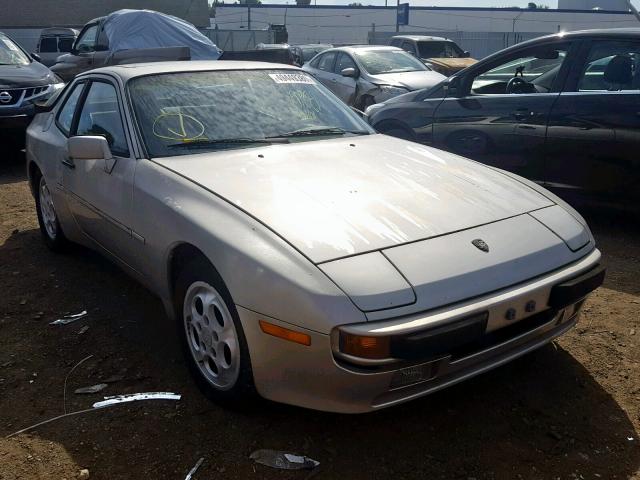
[
  {"x": 285, "y": 333},
  {"x": 365, "y": 347}
]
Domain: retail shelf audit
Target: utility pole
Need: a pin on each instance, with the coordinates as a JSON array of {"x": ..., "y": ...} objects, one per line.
[
  {"x": 249, "y": 16},
  {"x": 397, "y": 24},
  {"x": 514, "y": 26}
]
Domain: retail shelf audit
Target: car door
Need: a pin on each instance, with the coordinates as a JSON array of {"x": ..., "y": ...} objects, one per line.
[
  {"x": 498, "y": 114},
  {"x": 345, "y": 87},
  {"x": 324, "y": 70},
  {"x": 99, "y": 192},
  {"x": 593, "y": 137}
]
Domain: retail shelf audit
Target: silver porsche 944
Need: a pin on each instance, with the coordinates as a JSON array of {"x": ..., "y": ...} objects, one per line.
[{"x": 304, "y": 258}]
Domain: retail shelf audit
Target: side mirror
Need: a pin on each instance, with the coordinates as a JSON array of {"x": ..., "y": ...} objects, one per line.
[
  {"x": 36, "y": 57},
  {"x": 451, "y": 87},
  {"x": 466, "y": 54},
  {"x": 89, "y": 148},
  {"x": 349, "y": 72},
  {"x": 42, "y": 106}
]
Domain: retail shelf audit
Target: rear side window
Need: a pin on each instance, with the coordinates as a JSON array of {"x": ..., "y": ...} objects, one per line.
[
  {"x": 611, "y": 66},
  {"x": 409, "y": 47},
  {"x": 65, "y": 44},
  {"x": 100, "y": 115},
  {"x": 48, "y": 45},
  {"x": 326, "y": 62},
  {"x": 65, "y": 116}
]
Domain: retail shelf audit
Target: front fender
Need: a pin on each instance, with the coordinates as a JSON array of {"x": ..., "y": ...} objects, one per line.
[{"x": 262, "y": 271}]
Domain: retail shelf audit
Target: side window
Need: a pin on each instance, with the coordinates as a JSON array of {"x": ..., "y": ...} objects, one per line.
[
  {"x": 65, "y": 115},
  {"x": 409, "y": 47},
  {"x": 611, "y": 66},
  {"x": 48, "y": 44},
  {"x": 100, "y": 115},
  {"x": 326, "y": 62},
  {"x": 531, "y": 71},
  {"x": 344, "y": 61},
  {"x": 65, "y": 44},
  {"x": 87, "y": 39}
]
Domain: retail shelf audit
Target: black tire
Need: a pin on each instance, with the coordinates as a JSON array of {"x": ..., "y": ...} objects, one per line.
[
  {"x": 54, "y": 239},
  {"x": 242, "y": 394}
]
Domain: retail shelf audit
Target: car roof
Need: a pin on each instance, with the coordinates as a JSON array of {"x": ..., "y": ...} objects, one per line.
[
  {"x": 58, "y": 31},
  {"x": 600, "y": 32},
  {"x": 313, "y": 45},
  {"x": 609, "y": 32},
  {"x": 354, "y": 48},
  {"x": 422, "y": 38},
  {"x": 128, "y": 71},
  {"x": 612, "y": 33}
]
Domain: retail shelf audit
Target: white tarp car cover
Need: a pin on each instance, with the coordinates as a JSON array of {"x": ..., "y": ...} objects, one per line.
[{"x": 129, "y": 29}]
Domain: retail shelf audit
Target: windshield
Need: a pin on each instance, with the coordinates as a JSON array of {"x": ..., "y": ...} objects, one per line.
[
  {"x": 440, "y": 49},
  {"x": 377, "y": 62},
  {"x": 11, "y": 54},
  {"x": 181, "y": 112}
]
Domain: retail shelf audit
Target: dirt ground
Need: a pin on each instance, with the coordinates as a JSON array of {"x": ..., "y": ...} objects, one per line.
[{"x": 571, "y": 410}]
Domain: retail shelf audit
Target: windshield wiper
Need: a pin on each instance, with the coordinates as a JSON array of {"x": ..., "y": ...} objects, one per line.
[
  {"x": 319, "y": 131},
  {"x": 204, "y": 143}
]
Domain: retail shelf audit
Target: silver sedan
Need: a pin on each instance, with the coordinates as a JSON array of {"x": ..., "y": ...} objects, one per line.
[
  {"x": 304, "y": 258},
  {"x": 363, "y": 75}
]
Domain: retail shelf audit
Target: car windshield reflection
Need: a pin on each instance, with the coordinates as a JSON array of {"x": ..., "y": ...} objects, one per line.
[{"x": 235, "y": 109}]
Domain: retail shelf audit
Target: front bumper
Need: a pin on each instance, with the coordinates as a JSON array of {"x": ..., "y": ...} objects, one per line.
[
  {"x": 17, "y": 121},
  {"x": 318, "y": 377}
]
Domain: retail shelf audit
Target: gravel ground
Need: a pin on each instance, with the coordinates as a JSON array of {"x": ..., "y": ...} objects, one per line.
[{"x": 570, "y": 410}]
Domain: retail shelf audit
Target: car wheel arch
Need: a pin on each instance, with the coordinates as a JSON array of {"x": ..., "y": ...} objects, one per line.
[
  {"x": 33, "y": 170},
  {"x": 178, "y": 258},
  {"x": 387, "y": 125}
]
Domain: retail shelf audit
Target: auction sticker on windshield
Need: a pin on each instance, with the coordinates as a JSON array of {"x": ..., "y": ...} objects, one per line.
[{"x": 291, "y": 78}]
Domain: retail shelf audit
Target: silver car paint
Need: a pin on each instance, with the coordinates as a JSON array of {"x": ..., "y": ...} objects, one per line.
[
  {"x": 339, "y": 197},
  {"x": 225, "y": 203}
]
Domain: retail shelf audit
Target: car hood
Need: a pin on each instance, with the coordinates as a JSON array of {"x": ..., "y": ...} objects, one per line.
[
  {"x": 410, "y": 80},
  {"x": 20, "y": 76},
  {"x": 339, "y": 197},
  {"x": 452, "y": 63}
]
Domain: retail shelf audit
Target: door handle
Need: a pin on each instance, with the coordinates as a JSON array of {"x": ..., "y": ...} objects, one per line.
[
  {"x": 522, "y": 113},
  {"x": 69, "y": 164}
]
